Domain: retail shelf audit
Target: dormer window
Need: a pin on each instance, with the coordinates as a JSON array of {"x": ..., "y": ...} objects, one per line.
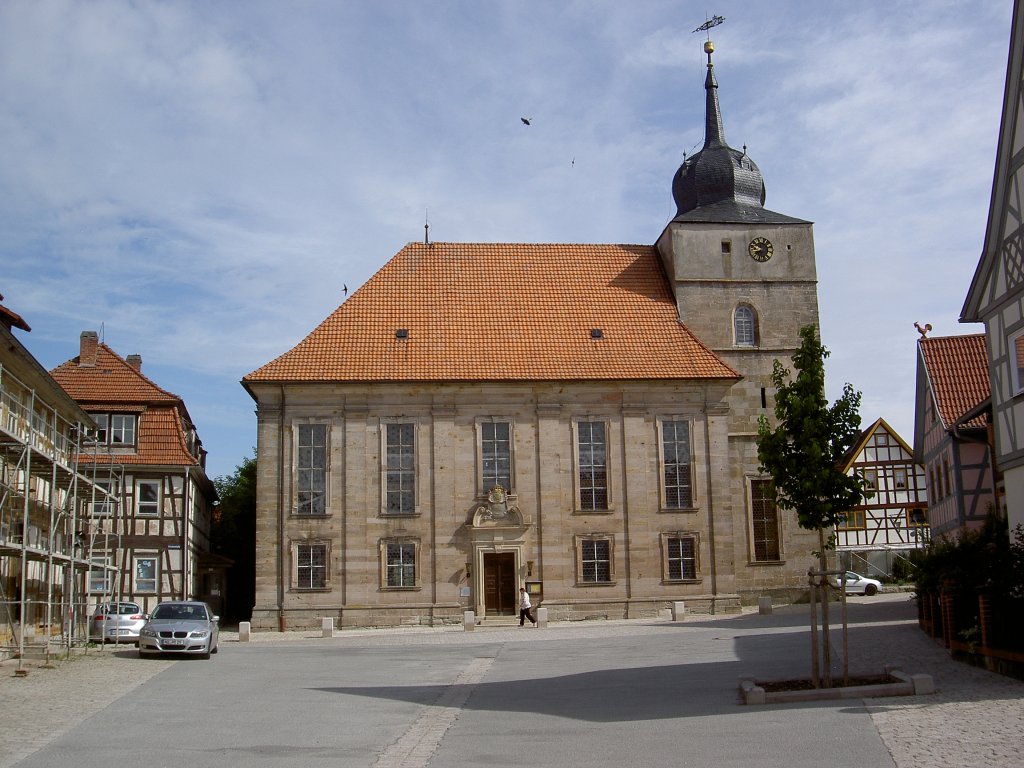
[
  {"x": 745, "y": 326},
  {"x": 115, "y": 429}
]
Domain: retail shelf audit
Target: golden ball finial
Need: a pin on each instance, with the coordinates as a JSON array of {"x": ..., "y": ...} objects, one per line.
[{"x": 709, "y": 47}]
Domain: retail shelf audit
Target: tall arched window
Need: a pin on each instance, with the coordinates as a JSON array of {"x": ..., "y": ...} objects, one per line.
[{"x": 745, "y": 326}]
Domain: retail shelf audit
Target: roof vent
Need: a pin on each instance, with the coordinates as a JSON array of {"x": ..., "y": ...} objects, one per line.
[
  {"x": 596, "y": 333},
  {"x": 402, "y": 333}
]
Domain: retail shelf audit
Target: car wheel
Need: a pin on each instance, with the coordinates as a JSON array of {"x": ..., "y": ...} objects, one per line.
[
  {"x": 870, "y": 589},
  {"x": 215, "y": 649}
]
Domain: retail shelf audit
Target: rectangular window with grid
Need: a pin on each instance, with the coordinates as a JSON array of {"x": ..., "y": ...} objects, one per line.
[
  {"x": 103, "y": 503},
  {"x": 675, "y": 447},
  {"x": 681, "y": 557},
  {"x": 311, "y": 566},
  {"x": 147, "y": 497},
  {"x": 114, "y": 429},
  {"x": 765, "y": 519},
  {"x": 400, "y": 563},
  {"x": 593, "y": 468},
  {"x": 145, "y": 574},
  {"x": 100, "y": 576},
  {"x": 496, "y": 450},
  {"x": 400, "y": 470},
  {"x": 595, "y": 561},
  {"x": 311, "y": 469}
]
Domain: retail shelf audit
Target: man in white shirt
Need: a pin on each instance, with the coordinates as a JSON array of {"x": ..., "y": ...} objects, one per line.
[{"x": 524, "y": 608}]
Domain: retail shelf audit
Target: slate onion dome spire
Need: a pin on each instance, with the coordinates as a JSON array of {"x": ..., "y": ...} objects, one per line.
[{"x": 718, "y": 174}]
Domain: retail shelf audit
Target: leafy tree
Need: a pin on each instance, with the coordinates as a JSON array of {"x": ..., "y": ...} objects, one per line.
[
  {"x": 234, "y": 536},
  {"x": 802, "y": 455}
]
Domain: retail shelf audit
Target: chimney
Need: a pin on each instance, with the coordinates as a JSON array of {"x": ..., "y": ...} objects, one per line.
[
  {"x": 89, "y": 345},
  {"x": 135, "y": 361}
]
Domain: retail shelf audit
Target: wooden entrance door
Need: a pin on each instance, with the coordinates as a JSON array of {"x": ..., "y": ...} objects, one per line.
[{"x": 500, "y": 583}]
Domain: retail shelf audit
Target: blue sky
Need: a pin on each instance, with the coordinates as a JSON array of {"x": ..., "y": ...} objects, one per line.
[{"x": 199, "y": 180}]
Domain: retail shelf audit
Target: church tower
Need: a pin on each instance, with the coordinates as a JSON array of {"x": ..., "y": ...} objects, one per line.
[
  {"x": 744, "y": 280},
  {"x": 743, "y": 276}
]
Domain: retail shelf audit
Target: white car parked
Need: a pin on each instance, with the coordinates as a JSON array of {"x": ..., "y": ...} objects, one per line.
[{"x": 858, "y": 585}]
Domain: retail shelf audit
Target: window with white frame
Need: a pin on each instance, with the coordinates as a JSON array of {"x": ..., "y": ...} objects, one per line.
[
  {"x": 147, "y": 497},
  {"x": 399, "y": 469},
  {"x": 676, "y": 464},
  {"x": 145, "y": 574},
  {"x": 115, "y": 429},
  {"x": 764, "y": 517},
  {"x": 399, "y": 557},
  {"x": 595, "y": 560},
  {"x": 311, "y": 469},
  {"x": 102, "y": 498},
  {"x": 592, "y": 463},
  {"x": 311, "y": 565},
  {"x": 680, "y": 556},
  {"x": 496, "y": 455},
  {"x": 100, "y": 581},
  {"x": 899, "y": 478},
  {"x": 745, "y": 326},
  {"x": 1016, "y": 351}
]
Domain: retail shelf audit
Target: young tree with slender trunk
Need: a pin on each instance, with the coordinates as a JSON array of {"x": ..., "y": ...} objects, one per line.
[{"x": 802, "y": 452}]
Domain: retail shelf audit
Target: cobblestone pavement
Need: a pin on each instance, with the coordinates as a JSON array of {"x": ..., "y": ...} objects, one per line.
[{"x": 976, "y": 718}]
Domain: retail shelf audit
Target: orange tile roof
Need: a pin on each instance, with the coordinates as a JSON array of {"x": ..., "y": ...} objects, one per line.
[
  {"x": 957, "y": 369},
  {"x": 161, "y": 441},
  {"x": 500, "y": 312},
  {"x": 112, "y": 385},
  {"x": 111, "y": 381}
]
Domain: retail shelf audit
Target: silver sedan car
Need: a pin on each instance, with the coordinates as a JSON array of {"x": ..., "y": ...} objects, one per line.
[{"x": 186, "y": 627}]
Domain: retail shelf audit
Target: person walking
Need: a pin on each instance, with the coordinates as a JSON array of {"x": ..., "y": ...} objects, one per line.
[{"x": 524, "y": 608}]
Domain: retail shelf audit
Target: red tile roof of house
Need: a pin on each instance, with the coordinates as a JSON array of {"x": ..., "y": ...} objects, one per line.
[
  {"x": 112, "y": 385},
  {"x": 110, "y": 381},
  {"x": 491, "y": 312},
  {"x": 957, "y": 369}
]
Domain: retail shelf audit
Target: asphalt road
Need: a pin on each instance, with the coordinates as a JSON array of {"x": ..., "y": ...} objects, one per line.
[{"x": 652, "y": 693}]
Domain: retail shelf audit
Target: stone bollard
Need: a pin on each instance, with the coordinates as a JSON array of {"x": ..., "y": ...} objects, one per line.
[
  {"x": 542, "y": 617},
  {"x": 327, "y": 627},
  {"x": 244, "y": 628},
  {"x": 468, "y": 621},
  {"x": 678, "y": 611},
  {"x": 764, "y": 604}
]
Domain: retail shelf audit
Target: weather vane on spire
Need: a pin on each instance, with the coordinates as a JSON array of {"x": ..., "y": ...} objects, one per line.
[{"x": 714, "y": 21}]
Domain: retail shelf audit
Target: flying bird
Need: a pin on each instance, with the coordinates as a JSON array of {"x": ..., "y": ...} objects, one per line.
[
  {"x": 344, "y": 290},
  {"x": 526, "y": 120}
]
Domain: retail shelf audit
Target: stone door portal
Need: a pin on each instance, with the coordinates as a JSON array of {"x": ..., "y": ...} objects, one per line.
[{"x": 500, "y": 583}]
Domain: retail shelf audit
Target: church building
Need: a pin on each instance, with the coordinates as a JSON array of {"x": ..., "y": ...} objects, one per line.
[{"x": 580, "y": 420}]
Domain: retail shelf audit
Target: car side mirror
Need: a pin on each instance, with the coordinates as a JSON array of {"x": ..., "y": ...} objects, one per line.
[{"x": 215, "y": 618}]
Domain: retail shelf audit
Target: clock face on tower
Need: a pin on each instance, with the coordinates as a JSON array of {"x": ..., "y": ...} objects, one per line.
[{"x": 760, "y": 249}]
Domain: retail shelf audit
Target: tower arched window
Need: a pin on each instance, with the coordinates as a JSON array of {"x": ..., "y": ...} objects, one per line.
[{"x": 745, "y": 326}]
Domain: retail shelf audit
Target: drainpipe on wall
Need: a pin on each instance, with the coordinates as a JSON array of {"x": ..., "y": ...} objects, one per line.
[
  {"x": 186, "y": 557},
  {"x": 711, "y": 502},
  {"x": 280, "y": 514}
]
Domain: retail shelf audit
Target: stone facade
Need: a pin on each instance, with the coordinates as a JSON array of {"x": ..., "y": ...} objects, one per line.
[{"x": 580, "y": 420}]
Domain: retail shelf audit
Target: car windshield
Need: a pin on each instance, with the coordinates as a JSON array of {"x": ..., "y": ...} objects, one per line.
[
  {"x": 187, "y": 612},
  {"x": 125, "y": 608}
]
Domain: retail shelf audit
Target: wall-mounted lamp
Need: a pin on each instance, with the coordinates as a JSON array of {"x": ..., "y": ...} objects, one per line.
[
  {"x": 529, "y": 567},
  {"x": 468, "y": 569}
]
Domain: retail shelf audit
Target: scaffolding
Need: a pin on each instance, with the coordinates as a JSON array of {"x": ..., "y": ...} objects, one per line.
[{"x": 48, "y": 534}]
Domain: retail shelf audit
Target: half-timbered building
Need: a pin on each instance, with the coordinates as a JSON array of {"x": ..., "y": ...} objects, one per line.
[
  {"x": 151, "y": 538},
  {"x": 577, "y": 419},
  {"x": 951, "y": 431},
  {"x": 894, "y": 519},
  {"x": 996, "y": 295},
  {"x": 44, "y": 531}
]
